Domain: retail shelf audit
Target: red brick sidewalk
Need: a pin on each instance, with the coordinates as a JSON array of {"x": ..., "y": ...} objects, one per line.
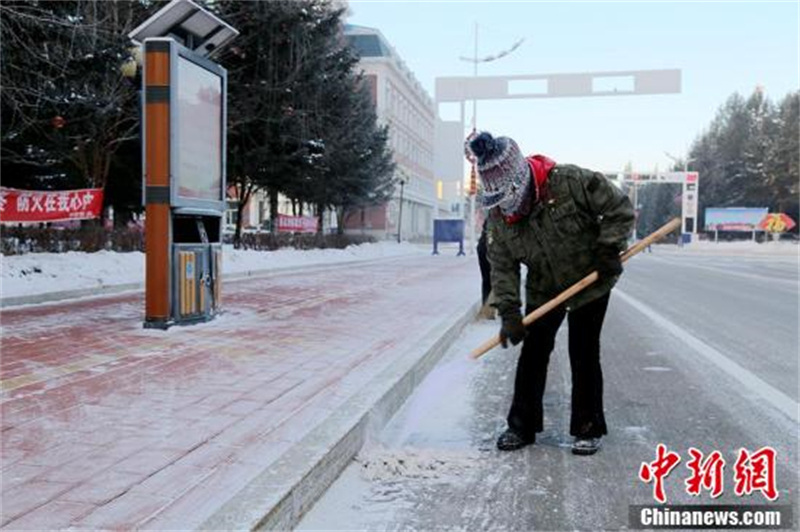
[{"x": 108, "y": 425}]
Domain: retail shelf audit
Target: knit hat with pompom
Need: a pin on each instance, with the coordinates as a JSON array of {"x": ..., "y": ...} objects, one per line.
[{"x": 504, "y": 172}]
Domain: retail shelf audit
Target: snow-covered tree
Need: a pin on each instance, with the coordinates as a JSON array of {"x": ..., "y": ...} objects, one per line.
[
  {"x": 66, "y": 107},
  {"x": 784, "y": 179},
  {"x": 748, "y": 155},
  {"x": 299, "y": 123}
]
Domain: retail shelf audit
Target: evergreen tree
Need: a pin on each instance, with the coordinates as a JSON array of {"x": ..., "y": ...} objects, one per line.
[
  {"x": 758, "y": 152},
  {"x": 263, "y": 70},
  {"x": 748, "y": 157},
  {"x": 300, "y": 122},
  {"x": 356, "y": 168},
  {"x": 785, "y": 172},
  {"x": 660, "y": 203}
]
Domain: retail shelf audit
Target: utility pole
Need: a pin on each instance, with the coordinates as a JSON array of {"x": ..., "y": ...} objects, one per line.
[
  {"x": 677, "y": 160},
  {"x": 400, "y": 213},
  {"x": 635, "y": 210},
  {"x": 473, "y": 189}
]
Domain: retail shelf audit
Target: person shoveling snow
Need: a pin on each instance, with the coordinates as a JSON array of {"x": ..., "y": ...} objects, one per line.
[{"x": 562, "y": 222}]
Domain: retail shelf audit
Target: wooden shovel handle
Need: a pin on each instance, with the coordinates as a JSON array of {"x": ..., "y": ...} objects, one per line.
[{"x": 580, "y": 285}]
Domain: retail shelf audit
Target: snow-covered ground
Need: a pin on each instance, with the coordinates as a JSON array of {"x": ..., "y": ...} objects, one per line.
[
  {"x": 744, "y": 247},
  {"x": 430, "y": 443},
  {"x": 38, "y": 273},
  {"x": 697, "y": 351}
]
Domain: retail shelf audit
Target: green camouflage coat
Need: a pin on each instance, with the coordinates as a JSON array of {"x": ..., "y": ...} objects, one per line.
[{"x": 579, "y": 210}]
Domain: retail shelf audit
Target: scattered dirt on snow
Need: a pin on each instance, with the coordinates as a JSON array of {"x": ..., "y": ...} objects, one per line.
[{"x": 386, "y": 465}]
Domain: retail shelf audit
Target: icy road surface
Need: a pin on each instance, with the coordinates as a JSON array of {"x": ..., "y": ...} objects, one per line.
[{"x": 698, "y": 351}]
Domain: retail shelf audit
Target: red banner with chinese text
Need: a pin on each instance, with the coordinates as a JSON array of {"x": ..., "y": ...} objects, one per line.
[
  {"x": 297, "y": 224},
  {"x": 49, "y": 206}
]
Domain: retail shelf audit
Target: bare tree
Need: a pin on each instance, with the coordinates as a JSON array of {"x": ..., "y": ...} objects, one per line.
[{"x": 66, "y": 107}]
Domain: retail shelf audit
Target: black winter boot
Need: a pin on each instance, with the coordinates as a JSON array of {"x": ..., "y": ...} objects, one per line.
[
  {"x": 511, "y": 440},
  {"x": 585, "y": 446}
]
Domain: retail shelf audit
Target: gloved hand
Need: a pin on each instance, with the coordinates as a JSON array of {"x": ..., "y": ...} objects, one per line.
[
  {"x": 608, "y": 262},
  {"x": 512, "y": 330}
]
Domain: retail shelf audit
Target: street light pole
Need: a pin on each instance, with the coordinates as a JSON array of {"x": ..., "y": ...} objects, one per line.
[
  {"x": 685, "y": 162},
  {"x": 475, "y": 74},
  {"x": 636, "y": 211},
  {"x": 475, "y": 60},
  {"x": 473, "y": 193},
  {"x": 400, "y": 213}
]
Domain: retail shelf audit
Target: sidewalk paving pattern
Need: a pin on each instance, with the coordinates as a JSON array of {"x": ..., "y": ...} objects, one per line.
[{"x": 108, "y": 425}]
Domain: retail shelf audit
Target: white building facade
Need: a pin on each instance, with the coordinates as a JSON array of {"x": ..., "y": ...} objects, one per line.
[{"x": 403, "y": 105}]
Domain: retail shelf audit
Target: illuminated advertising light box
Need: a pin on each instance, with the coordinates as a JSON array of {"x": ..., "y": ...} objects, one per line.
[
  {"x": 743, "y": 219},
  {"x": 198, "y": 133}
]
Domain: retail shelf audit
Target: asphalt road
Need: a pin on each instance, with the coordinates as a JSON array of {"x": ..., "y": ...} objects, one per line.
[{"x": 698, "y": 351}]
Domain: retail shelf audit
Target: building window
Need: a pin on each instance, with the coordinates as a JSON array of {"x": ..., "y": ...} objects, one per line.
[
  {"x": 262, "y": 212},
  {"x": 231, "y": 212}
]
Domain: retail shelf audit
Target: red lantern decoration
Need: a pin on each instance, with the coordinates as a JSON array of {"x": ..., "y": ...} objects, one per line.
[{"x": 473, "y": 181}]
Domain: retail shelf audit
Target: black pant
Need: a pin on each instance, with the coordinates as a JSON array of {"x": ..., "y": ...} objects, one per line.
[
  {"x": 585, "y": 324},
  {"x": 486, "y": 269}
]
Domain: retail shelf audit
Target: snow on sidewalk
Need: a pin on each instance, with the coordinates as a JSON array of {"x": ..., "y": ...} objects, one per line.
[
  {"x": 39, "y": 273},
  {"x": 107, "y": 425}
]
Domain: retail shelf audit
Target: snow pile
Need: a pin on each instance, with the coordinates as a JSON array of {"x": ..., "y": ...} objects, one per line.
[
  {"x": 237, "y": 261},
  {"x": 384, "y": 465},
  {"x": 38, "y": 273}
]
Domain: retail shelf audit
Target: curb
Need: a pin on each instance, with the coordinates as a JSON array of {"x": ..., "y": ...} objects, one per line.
[
  {"x": 111, "y": 289},
  {"x": 63, "y": 295},
  {"x": 279, "y": 496}
]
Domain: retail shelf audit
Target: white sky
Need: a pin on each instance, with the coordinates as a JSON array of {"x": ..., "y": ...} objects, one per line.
[{"x": 721, "y": 48}]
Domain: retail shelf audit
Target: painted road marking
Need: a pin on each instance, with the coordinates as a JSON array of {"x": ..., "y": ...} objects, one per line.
[
  {"x": 744, "y": 275},
  {"x": 752, "y": 382}
]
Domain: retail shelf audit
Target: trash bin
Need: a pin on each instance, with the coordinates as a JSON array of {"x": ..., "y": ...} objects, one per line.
[{"x": 197, "y": 265}]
